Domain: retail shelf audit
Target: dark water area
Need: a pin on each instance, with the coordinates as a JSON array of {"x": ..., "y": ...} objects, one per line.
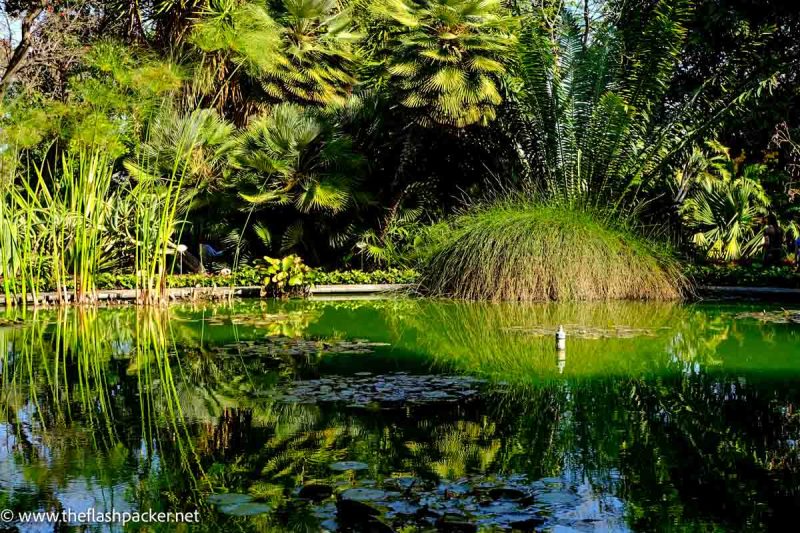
[{"x": 404, "y": 415}]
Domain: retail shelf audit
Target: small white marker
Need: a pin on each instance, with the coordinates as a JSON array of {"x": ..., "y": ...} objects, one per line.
[{"x": 561, "y": 338}]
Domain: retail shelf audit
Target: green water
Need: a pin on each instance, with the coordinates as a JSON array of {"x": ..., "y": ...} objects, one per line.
[{"x": 655, "y": 417}]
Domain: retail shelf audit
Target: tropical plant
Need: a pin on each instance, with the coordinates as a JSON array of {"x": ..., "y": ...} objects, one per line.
[
  {"x": 395, "y": 243},
  {"x": 517, "y": 248},
  {"x": 597, "y": 128},
  {"x": 208, "y": 162},
  {"x": 296, "y": 50},
  {"x": 445, "y": 57},
  {"x": 58, "y": 229},
  {"x": 316, "y": 64},
  {"x": 161, "y": 190},
  {"x": 292, "y": 157},
  {"x": 725, "y": 206},
  {"x": 287, "y": 276}
]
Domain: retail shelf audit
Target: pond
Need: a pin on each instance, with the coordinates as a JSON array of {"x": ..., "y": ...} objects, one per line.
[{"x": 405, "y": 415}]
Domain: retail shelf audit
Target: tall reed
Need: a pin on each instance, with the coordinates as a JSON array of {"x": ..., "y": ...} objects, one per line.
[{"x": 161, "y": 195}]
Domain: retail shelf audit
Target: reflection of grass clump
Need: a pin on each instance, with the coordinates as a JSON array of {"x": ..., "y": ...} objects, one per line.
[{"x": 519, "y": 250}]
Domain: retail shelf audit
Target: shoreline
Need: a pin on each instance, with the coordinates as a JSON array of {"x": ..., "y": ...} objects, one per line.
[{"x": 378, "y": 290}]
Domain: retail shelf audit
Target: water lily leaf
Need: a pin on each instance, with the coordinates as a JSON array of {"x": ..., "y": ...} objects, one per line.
[
  {"x": 343, "y": 466},
  {"x": 363, "y": 495},
  {"x": 229, "y": 498},
  {"x": 245, "y": 509}
]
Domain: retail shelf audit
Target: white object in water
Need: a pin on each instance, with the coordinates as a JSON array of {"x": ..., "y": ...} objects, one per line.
[{"x": 561, "y": 338}]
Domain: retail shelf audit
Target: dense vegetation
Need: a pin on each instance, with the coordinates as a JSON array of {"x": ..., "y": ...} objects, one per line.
[{"x": 139, "y": 140}]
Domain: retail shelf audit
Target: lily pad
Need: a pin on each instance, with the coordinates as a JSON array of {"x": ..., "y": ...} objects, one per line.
[
  {"x": 784, "y": 316},
  {"x": 363, "y": 495},
  {"x": 343, "y": 466},
  {"x": 229, "y": 498},
  {"x": 245, "y": 509}
]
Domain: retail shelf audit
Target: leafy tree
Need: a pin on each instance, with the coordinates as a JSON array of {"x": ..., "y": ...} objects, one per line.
[
  {"x": 445, "y": 57},
  {"x": 300, "y": 51},
  {"x": 292, "y": 158},
  {"x": 317, "y": 60}
]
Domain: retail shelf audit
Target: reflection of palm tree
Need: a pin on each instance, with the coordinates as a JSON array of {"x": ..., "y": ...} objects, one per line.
[{"x": 458, "y": 449}]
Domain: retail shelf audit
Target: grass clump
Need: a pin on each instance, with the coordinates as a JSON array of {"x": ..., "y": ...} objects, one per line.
[{"x": 516, "y": 249}]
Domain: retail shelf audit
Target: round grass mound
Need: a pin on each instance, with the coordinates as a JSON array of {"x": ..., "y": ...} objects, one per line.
[{"x": 519, "y": 251}]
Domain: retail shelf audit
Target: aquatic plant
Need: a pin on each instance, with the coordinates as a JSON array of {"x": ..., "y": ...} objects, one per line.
[
  {"x": 161, "y": 191},
  {"x": 287, "y": 276},
  {"x": 518, "y": 249},
  {"x": 56, "y": 228}
]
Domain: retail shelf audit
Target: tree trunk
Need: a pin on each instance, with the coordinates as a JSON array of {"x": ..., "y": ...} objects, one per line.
[{"x": 20, "y": 54}]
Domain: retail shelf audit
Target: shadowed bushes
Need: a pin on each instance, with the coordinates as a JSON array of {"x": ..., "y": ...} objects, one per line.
[{"x": 519, "y": 250}]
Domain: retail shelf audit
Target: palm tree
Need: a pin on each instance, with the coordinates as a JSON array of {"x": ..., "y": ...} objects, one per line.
[
  {"x": 445, "y": 57},
  {"x": 206, "y": 157},
  {"x": 291, "y": 157},
  {"x": 301, "y": 51},
  {"x": 725, "y": 207},
  {"x": 317, "y": 60}
]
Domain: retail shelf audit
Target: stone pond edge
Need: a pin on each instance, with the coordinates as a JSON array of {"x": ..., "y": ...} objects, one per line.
[{"x": 377, "y": 290}]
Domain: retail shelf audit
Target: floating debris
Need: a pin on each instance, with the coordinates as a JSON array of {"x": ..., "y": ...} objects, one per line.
[
  {"x": 383, "y": 391},
  {"x": 783, "y": 316},
  {"x": 590, "y": 332},
  {"x": 280, "y": 346}
]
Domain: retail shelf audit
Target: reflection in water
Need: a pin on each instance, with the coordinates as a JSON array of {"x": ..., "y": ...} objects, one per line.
[{"x": 655, "y": 417}]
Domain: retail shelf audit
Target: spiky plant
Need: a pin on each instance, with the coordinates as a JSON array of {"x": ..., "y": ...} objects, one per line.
[
  {"x": 445, "y": 57},
  {"x": 725, "y": 207},
  {"x": 291, "y": 157},
  {"x": 297, "y": 50},
  {"x": 207, "y": 162},
  {"x": 597, "y": 128},
  {"x": 317, "y": 60}
]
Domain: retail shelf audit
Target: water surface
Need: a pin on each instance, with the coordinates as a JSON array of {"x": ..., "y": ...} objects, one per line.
[{"x": 655, "y": 417}]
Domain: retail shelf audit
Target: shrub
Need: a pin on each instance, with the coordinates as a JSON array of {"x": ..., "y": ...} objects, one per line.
[
  {"x": 517, "y": 249},
  {"x": 286, "y": 277},
  {"x": 391, "y": 275},
  {"x": 744, "y": 275}
]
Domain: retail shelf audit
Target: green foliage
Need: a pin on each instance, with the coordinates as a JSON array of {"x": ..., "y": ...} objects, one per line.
[
  {"x": 445, "y": 58},
  {"x": 396, "y": 243},
  {"x": 518, "y": 249},
  {"x": 255, "y": 275},
  {"x": 293, "y": 157},
  {"x": 287, "y": 276},
  {"x": 596, "y": 130},
  {"x": 755, "y": 275},
  {"x": 62, "y": 228},
  {"x": 725, "y": 206},
  {"x": 207, "y": 158},
  {"x": 347, "y": 277},
  {"x": 161, "y": 191},
  {"x": 297, "y": 50}
]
